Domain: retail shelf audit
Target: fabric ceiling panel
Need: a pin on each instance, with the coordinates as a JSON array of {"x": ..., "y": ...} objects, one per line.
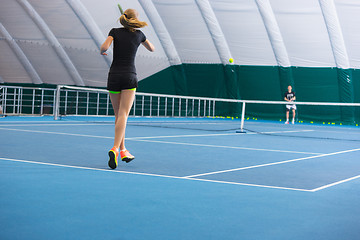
[
  {"x": 349, "y": 17},
  {"x": 244, "y": 31},
  {"x": 89, "y": 65},
  {"x": 60, "y": 18},
  {"x": 58, "y": 40},
  {"x": 188, "y": 31},
  {"x": 17, "y": 22},
  {"x": 11, "y": 69},
  {"x": 304, "y": 32},
  {"x": 46, "y": 62},
  {"x": 75, "y": 40}
]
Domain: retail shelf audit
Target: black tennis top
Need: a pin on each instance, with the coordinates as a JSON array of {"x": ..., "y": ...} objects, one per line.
[
  {"x": 126, "y": 44},
  {"x": 289, "y": 95}
]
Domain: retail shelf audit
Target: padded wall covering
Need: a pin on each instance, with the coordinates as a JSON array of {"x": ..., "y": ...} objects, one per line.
[{"x": 263, "y": 83}]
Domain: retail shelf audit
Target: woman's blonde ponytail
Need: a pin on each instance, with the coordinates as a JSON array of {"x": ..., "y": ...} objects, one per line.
[{"x": 129, "y": 20}]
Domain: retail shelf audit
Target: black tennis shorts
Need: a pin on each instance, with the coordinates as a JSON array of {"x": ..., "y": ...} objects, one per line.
[{"x": 121, "y": 81}]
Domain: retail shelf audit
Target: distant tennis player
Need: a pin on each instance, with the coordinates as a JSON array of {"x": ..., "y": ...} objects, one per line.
[
  {"x": 122, "y": 81},
  {"x": 290, "y": 97}
]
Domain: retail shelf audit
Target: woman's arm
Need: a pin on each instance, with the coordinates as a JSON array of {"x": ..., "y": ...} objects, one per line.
[
  {"x": 148, "y": 45},
  {"x": 105, "y": 46}
]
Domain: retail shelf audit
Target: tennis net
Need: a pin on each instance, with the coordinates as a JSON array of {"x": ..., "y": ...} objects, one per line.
[
  {"x": 69, "y": 103},
  {"x": 215, "y": 114}
]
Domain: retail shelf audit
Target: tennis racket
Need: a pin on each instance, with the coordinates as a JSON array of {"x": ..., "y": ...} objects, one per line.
[{"x": 120, "y": 9}]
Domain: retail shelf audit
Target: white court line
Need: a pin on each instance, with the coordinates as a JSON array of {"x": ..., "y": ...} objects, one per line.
[
  {"x": 219, "y": 146},
  {"x": 55, "y": 124},
  {"x": 133, "y": 138},
  {"x": 216, "y": 134},
  {"x": 155, "y": 175},
  {"x": 274, "y": 163},
  {"x": 139, "y": 123},
  {"x": 177, "y": 143},
  {"x": 335, "y": 183},
  {"x": 59, "y": 133},
  {"x": 1, "y": 121},
  {"x": 349, "y": 132}
]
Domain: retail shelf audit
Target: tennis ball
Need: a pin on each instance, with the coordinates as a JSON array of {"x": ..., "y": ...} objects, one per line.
[{"x": 231, "y": 60}]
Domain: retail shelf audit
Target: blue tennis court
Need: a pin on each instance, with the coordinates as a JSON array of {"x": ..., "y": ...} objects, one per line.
[
  {"x": 277, "y": 181},
  {"x": 244, "y": 120}
]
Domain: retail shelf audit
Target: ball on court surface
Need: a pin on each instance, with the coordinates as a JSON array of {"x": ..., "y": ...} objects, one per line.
[{"x": 231, "y": 60}]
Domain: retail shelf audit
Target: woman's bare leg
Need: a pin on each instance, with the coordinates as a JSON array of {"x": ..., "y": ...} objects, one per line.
[{"x": 122, "y": 104}]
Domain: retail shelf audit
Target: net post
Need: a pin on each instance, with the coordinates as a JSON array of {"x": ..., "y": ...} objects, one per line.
[
  {"x": 21, "y": 92},
  {"x": 98, "y": 104},
  {"x": 77, "y": 103},
  {"x": 57, "y": 102},
  {"x": 4, "y": 100},
  {"x": 173, "y": 106},
  {"x": 14, "y": 104},
  {"x": 193, "y": 107},
  {"x": 205, "y": 108},
  {"x": 199, "y": 107},
  {"x": 33, "y": 102},
  {"x": 242, "y": 119},
  {"x": 42, "y": 102},
  {"x": 66, "y": 99},
  {"x": 150, "y": 106},
  {"x": 158, "y": 110},
  {"x": 87, "y": 102},
  {"x": 142, "y": 106},
  {"x": 214, "y": 108}
]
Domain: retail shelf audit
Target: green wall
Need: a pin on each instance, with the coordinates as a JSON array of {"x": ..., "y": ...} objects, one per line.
[{"x": 264, "y": 83}]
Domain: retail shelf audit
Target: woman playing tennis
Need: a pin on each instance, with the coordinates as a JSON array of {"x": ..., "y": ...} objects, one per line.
[{"x": 122, "y": 81}]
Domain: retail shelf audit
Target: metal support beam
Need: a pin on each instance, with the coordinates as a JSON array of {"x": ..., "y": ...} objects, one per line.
[
  {"x": 21, "y": 56},
  {"x": 346, "y": 85},
  {"x": 89, "y": 23},
  {"x": 161, "y": 32},
  {"x": 335, "y": 34},
  {"x": 53, "y": 41},
  {"x": 273, "y": 31},
  {"x": 215, "y": 30}
]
